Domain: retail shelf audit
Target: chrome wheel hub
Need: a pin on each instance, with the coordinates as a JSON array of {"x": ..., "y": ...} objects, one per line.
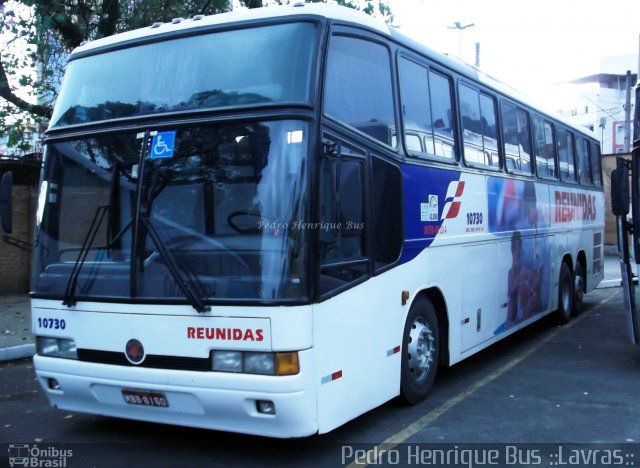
[{"x": 421, "y": 350}]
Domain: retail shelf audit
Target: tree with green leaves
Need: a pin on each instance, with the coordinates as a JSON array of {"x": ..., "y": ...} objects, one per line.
[{"x": 38, "y": 36}]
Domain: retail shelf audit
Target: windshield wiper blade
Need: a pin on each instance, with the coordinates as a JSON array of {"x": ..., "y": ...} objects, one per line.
[
  {"x": 69, "y": 298},
  {"x": 173, "y": 268}
]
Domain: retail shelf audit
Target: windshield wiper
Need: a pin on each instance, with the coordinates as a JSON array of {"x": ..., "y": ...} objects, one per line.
[
  {"x": 173, "y": 268},
  {"x": 70, "y": 293},
  {"x": 69, "y": 298},
  {"x": 146, "y": 194}
]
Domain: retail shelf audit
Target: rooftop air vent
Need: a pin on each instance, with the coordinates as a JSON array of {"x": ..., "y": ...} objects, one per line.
[
  {"x": 298, "y": 4},
  {"x": 177, "y": 20},
  {"x": 156, "y": 25},
  {"x": 198, "y": 17}
]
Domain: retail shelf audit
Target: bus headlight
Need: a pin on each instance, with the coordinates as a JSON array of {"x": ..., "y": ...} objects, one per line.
[
  {"x": 247, "y": 362},
  {"x": 259, "y": 363},
  {"x": 56, "y": 347},
  {"x": 226, "y": 361}
]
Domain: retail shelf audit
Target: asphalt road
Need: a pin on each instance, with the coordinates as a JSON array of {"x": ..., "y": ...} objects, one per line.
[{"x": 579, "y": 383}]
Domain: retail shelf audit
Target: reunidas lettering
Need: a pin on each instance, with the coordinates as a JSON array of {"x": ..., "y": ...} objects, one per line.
[
  {"x": 571, "y": 206},
  {"x": 225, "y": 334}
]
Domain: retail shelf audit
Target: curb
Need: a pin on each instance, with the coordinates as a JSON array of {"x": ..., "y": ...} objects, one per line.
[
  {"x": 17, "y": 352},
  {"x": 612, "y": 283}
]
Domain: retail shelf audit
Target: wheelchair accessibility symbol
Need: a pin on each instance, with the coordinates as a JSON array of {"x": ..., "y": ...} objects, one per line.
[{"x": 162, "y": 145}]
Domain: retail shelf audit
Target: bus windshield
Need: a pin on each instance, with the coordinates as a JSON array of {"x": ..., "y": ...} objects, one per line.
[
  {"x": 260, "y": 65},
  {"x": 218, "y": 205}
]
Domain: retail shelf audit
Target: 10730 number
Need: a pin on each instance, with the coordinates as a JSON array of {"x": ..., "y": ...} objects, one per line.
[
  {"x": 52, "y": 324},
  {"x": 474, "y": 218}
]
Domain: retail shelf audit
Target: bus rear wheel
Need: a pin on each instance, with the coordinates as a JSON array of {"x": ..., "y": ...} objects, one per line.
[
  {"x": 565, "y": 294},
  {"x": 420, "y": 352},
  {"x": 579, "y": 284}
]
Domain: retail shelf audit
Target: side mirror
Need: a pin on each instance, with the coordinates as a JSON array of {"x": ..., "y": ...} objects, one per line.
[
  {"x": 620, "y": 190},
  {"x": 5, "y": 201}
]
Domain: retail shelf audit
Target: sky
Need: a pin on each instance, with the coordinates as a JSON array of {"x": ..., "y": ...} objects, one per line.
[{"x": 531, "y": 45}]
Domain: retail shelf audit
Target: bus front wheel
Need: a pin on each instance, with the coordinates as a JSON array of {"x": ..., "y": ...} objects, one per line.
[
  {"x": 420, "y": 352},
  {"x": 565, "y": 294}
]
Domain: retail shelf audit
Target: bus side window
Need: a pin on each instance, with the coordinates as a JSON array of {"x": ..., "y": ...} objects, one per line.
[
  {"x": 524, "y": 141},
  {"x": 416, "y": 108},
  {"x": 517, "y": 141},
  {"x": 441, "y": 109},
  {"x": 545, "y": 148},
  {"x": 342, "y": 224},
  {"x": 489, "y": 129},
  {"x": 596, "y": 165},
  {"x": 566, "y": 156},
  {"x": 478, "y": 113},
  {"x": 510, "y": 136},
  {"x": 426, "y": 109},
  {"x": 584, "y": 162},
  {"x": 358, "y": 88},
  {"x": 386, "y": 192}
]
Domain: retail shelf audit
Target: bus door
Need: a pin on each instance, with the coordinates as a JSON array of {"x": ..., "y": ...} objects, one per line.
[{"x": 620, "y": 208}]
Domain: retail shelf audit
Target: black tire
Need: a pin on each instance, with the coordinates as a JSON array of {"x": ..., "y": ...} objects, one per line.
[
  {"x": 565, "y": 295},
  {"x": 420, "y": 352},
  {"x": 579, "y": 284}
]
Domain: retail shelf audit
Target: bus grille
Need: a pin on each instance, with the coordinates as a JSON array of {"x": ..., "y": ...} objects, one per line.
[{"x": 151, "y": 360}]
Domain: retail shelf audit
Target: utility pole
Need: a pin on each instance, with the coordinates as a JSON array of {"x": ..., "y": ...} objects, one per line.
[
  {"x": 460, "y": 28},
  {"x": 478, "y": 54},
  {"x": 627, "y": 114}
]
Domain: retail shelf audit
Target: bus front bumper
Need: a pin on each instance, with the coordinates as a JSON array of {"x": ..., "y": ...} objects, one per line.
[{"x": 209, "y": 400}]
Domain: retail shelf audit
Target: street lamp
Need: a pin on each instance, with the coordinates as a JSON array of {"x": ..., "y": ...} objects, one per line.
[{"x": 460, "y": 28}]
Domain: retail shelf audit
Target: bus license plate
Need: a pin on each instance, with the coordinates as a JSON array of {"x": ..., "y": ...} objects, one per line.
[{"x": 134, "y": 397}]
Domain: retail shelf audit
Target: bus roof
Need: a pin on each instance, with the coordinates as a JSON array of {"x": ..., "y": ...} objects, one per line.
[
  {"x": 321, "y": 10},
  {"x": 335, "y": 12}
]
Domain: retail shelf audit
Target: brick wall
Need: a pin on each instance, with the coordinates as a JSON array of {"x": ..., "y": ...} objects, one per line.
[{"x": 15, "y": 264}]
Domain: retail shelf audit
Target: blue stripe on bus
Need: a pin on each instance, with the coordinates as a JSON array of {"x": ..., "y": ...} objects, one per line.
[{"x": 419, "y": 184}]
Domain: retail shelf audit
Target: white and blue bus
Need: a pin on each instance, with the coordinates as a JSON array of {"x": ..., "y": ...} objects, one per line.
[{"x": 272, "y": 221}]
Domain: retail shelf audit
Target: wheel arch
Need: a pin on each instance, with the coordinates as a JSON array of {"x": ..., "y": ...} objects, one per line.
[
  {"x": 436, "y": 297},
  {"x": 582, "y": 258},
  {"x": 568, "y": 260}
]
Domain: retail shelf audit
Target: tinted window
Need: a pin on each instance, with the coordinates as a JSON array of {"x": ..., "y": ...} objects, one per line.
[
  {"x": 416, "y": 107},
  {"x": 584, "y": 161},
  {"x": 358, "y": 87},
  {"x": 565, "y": 156},
  {"x": 545, "y": 148},
  {"x": 524, "y": 138},
  {"x": 217, "y": 205},
  {"x": 250, "y": 66},
  {"x": 443, "y": 123},
  {"x": 596, "y": 166},
  {"x": 387, "y": 212},
  {"x": 426, "y": 107},
  {"x": 342, "y": 233},
  {"x": 479, "y": 127},
  {"x": 517, "y": 142}
]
